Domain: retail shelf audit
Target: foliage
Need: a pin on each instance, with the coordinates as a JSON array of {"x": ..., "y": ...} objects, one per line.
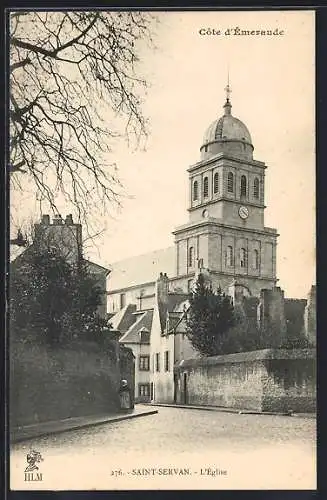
[
  {"x": 210, "y": 316},
  {"x": 52, "y": 301},
  {"x": 65, "y": 69}
]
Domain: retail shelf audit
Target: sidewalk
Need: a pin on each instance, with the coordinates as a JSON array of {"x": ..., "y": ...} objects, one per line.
[
  {"x": 233, "y": 410},
  {"x": 69, "y": 424}
]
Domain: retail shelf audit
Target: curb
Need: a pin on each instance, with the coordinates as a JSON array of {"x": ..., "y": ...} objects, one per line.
[
  {"x": 234, "y": 410},
  {"x": 74, "y": 427}
]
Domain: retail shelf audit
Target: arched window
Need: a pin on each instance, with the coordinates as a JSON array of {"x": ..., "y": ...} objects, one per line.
[
  {"x": 256, "y": 188},
  {"x": 195, "y": 191},
  {"x": 205, "y": 187},
  {"x": 229, "y": 256},
  {"x": 256, "y": 259},
  {"x": 216, "y": 183},
  {"x": 230, "y": 182},
  {"x": 243, "y": 257},
  {"x": 243, "y": 185},
  {"x": 191, "y": 257}
]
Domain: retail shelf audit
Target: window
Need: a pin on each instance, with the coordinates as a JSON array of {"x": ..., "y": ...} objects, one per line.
[
  {"x": 144, "y": 390},
  {"x": 157, "y": 362},
  {"x": 167, "y": 361},
  {"x": 230, "y": 182},
  {"x": 144, "y": 364},
  {"x": 216, "y": 183},
  {"x": 189, "y": 285},
  {"x": 195, "y": 191},
  {"x": 205, "y": 187},
  {"x": 243, "y": 260},
  {"x": 144, "y": 336},
  {"x": 229, "y": 256},
  {"x": 191, "y": 257},
  {"x": 122, "y": 300},
  {"x": 256, "y": 259},
  {"x": 243, "y": 185},
  {"x": 256, "y": 188}
]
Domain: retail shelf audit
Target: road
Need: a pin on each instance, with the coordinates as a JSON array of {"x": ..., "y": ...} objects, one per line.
[{"x": 176, "y": 449}]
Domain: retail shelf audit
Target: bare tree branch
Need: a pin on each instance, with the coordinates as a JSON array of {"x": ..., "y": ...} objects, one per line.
[{"x": 75, "y": 87}]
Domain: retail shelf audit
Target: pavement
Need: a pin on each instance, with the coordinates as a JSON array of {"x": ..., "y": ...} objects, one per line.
[
  {"x": 41, "y": 429},
  {"x": 175, "y": 449},
  {"x": 232, "y": 410}
]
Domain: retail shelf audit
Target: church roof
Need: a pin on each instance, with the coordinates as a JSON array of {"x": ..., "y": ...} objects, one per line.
[
  {"x": 227, "y": 128},
  {"x": 141, "y": 269}
]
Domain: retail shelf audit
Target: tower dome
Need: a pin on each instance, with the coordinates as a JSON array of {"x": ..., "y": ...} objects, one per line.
[{"x": 227, "y": 134}]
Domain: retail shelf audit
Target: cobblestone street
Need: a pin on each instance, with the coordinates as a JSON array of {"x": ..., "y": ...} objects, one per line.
[{"x": 177, "y": 449}]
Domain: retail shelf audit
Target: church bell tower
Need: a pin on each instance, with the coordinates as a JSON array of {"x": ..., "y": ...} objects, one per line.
[{"x": 226, "y": 233}]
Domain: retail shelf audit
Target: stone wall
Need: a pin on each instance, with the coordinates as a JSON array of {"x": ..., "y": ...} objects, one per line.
[
  {"x": 310, "y": 317},
  {"x": 50, "y": 384},
  {"x": 267, "y": 380}
]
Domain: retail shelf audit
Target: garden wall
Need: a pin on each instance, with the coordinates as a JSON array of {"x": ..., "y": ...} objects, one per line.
[
  {"x": 276, "y": 380},
  {"x": 54, "y": 383}
]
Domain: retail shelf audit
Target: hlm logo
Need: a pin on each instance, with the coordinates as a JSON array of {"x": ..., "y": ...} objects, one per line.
[{"x": 32, "y": 458}]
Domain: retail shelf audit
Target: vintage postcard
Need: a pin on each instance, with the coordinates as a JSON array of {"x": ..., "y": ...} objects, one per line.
[{"x": 162, "y": 250}]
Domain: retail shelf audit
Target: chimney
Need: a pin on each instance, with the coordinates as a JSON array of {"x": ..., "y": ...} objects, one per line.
[
  {"x": 162, "y": 287},
  {"x": 45, "y": 220},
  {"x": 69, "y": 220},
  {"x": 57, "y": 220}
]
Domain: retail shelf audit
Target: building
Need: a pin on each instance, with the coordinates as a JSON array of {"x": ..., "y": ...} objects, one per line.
[
  {"x": 225, "y": 238},
  {"x": 66, "y": 237},
  {"x": 225, "y": 232}
]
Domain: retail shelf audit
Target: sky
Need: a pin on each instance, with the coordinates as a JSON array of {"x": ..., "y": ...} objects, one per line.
[{"x": 273, "y": 93}]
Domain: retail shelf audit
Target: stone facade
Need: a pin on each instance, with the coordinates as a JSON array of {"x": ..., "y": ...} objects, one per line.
[{"x": 269, "y": 380}]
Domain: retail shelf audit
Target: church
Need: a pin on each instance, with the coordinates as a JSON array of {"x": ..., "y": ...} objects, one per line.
[
  {"x": 225, "y": 238},
  {"x": 225, "y": 232}
]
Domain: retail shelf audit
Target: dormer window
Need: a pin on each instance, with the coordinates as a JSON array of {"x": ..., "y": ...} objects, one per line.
[{"x": 206, "y": 187}]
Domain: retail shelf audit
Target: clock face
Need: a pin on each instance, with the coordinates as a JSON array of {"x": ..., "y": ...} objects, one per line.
[
  {"x": 243, "y": 212},
  {"x": 205, "y": 213}
]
